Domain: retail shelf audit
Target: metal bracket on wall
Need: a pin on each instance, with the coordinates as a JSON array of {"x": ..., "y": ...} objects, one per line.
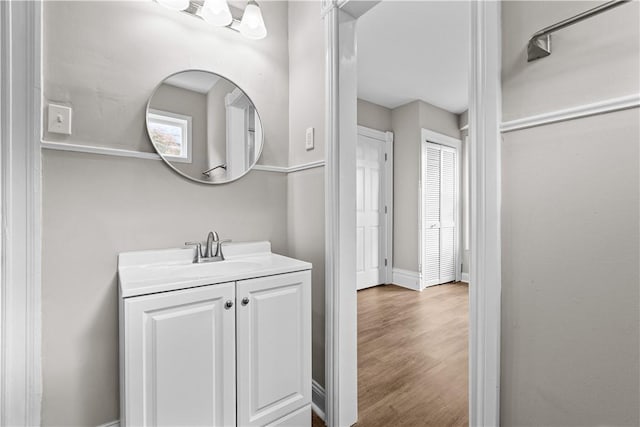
[
  {"x": 539, "y": 44},
  {"x": 539, "y": 48}
]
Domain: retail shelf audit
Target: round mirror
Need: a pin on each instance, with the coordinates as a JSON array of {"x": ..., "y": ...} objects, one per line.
[{"x": 204, "y": 126}]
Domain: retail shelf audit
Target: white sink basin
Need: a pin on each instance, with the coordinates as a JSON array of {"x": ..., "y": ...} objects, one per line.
[
  {"x": 208, "y": 269},
  {"x": 146, "y": 272}
]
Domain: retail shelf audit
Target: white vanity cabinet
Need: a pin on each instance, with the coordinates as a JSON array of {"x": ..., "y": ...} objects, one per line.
[
  {"x": 179, "y": 358},
  {"x": 274, "y": 347},
  {"x": 234, "y": 353}
]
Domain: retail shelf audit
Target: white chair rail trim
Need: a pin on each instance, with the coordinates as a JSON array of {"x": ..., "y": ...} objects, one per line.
[
  {"x": 576, "y": 112},
  {"x": 118, "y": 152}
]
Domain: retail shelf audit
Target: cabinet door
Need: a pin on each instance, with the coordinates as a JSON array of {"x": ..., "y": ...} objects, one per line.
[
  {"x": 180, "y": 358},
  {"x": 274, "y": 347}
]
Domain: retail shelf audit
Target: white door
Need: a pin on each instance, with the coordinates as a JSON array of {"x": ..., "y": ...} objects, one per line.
[
  {"x": 274, "y": 347},
  {"x": 369, "y": 212},
  {"x": 239, "y": 122},
  {"x": 439, "y": 213},
  {"x": 180, "y": 358}
]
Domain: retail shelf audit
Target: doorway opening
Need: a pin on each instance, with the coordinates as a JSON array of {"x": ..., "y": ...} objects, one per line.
[
  {"x": 342, "y": 24},
  {"x": 412, "y": 336}
]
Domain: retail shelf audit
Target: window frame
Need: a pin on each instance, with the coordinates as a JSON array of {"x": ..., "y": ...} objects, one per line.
[{"x": 183, "y": 121}]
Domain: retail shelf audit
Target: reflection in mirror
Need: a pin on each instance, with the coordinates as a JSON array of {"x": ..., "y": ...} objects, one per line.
[{"x": 204, "y": 126}]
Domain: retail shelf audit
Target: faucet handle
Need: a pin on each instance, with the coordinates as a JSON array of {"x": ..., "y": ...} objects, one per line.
[
  {"x": 198, "y": 246},
  {"x": 219, "y": 247}
]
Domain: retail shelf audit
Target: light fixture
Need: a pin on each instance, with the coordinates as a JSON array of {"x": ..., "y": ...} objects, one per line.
[
  {"x": 252, "y": 25},
  {"x": 216, "y": 12},
  {"x": 175, "y": 4}
]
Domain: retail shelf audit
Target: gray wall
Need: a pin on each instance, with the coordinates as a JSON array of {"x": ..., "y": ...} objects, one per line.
[
  {"x": 374, "y": 116},
  {"x": 570, "y": 321},
  {"x": 465, "y": 219},
  {"x": 186, "y": 102},
  {"x": 104, "y": 59},
  {"x": 306, "y": 80},
  {"x": 306, "y": 188},
  {"x": 95, "y": 207},
  {"x": 406, "y": 165},
  {"x": 591, "y": 61},
  {"x": 463, "y": 119},
  {"x": 407, "y": 122},
  {"x": 438, "y": 120}
]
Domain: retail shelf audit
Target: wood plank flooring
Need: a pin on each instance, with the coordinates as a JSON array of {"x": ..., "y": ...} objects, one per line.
[{"x": 413, "y": 356}]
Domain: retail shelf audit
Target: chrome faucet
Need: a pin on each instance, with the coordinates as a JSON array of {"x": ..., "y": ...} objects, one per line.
[
  {"x": 209, "y": 254},
  {"x": 211, "y": 239}
]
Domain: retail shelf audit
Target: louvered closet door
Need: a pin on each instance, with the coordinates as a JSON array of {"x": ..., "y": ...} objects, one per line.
[{"x": 439, "y": 204}]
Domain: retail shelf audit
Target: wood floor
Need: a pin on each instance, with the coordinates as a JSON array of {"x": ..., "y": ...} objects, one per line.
[{"x": 412, "y": 356}]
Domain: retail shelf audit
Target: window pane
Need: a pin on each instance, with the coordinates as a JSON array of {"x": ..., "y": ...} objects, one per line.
[{"x": 169, "y": 139}]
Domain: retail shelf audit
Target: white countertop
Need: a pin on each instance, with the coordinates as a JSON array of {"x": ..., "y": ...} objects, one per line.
[{"x": 148, "y": 272}]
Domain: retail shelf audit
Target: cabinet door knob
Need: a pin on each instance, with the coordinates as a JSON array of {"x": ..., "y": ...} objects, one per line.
[
  {"x": 245, "y": 300},
  {"x": 228, "y": 304}
]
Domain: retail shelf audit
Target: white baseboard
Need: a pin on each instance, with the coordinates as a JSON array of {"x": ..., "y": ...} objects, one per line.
[
  {"x": 317, "y": 399},
  {"x": 111, "y": 424},
  {"x": 406, "y": 279},
  {"x": 464, "y": 277}
]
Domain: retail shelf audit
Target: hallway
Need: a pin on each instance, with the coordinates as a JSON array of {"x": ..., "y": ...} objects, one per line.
[{"x": 413, "y": 356}]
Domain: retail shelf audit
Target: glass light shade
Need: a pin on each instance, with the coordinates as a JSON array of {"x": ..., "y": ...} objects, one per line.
[
  {"x": 252, "y": 24},
  {"x": 175, "y": 4},
  {"x": 216, "y": 12}
]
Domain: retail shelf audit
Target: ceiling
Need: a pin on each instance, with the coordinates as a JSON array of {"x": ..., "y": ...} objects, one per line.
[
  {"x": 196, "y": 81},
  {"x": 409, "y": 50}
]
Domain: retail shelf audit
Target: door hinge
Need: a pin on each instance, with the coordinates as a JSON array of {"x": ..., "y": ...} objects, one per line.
[
  {"x": 385, "y": 262},
  {"x": 385, "y": 157},
  {"x": 385, "y": 209}
]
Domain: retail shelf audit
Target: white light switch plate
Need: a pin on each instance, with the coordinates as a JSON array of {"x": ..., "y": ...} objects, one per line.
[
  {"x": 308, "y": 141},
  {"x": 59, "y": 119}
]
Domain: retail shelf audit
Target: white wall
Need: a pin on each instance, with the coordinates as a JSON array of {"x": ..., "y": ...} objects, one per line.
[
  {"x": 306, "y": 188},
  {"x": 570, "y": 197},
  {"x": 104, "y": 59}
]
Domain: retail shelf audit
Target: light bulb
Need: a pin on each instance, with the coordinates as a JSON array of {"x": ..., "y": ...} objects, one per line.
[
  {"x": 216, "y": 12},
  {"x": 175, "y": 4},
  {"x": 252, "y": 24}
]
